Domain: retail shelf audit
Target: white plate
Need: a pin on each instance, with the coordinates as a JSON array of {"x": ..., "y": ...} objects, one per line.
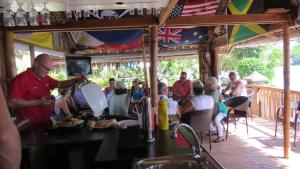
[
  {"x": 94, "y": 97},
  {"x": 128, "y": 123}
]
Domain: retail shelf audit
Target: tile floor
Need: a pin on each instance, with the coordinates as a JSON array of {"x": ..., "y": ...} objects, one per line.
[{"x": 258, "y": 150}]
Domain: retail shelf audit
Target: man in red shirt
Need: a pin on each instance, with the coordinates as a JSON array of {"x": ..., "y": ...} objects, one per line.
[
  {"x": 30, "y": 91},
  {"x": 182, "y": 88}
]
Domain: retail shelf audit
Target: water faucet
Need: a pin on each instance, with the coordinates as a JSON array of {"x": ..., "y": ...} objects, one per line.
[{"x": 196, "y": 148}]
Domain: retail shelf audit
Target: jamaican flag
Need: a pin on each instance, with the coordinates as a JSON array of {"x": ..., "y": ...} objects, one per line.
[{"x": 244, "y": 31}]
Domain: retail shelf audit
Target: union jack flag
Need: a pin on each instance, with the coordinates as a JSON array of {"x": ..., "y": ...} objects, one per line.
[
  {"x": 167, "y": 35},
  {"x": 170, "y": 37}
]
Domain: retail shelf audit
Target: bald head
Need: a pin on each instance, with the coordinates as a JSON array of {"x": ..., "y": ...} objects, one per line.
[{"x": 42, "y": 64}]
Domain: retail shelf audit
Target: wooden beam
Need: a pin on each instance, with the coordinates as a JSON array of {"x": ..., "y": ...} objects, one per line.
[
  {"x": 215, "y": 20},
  {"x": 286, "y": 94},
  {"x": 215, "y": 63},
  {"x": 85, "y": 25},
  {"x": 166, "y": 11},
  {"x": 2, "y": 65},
  {"x": 145, "y": 66},
  {"x": 32, "y": 54},
  {"x": 153, "y": 64},
  {"x": 10, "y": 60}
]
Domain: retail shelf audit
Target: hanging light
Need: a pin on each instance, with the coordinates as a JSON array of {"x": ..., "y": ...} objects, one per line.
[
  {"x": 45, "y": 16},
  {"x": 33, "y": 16}
]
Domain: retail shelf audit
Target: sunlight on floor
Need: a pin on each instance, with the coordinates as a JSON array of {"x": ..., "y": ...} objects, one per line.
[{"x": 259, "y": 149}]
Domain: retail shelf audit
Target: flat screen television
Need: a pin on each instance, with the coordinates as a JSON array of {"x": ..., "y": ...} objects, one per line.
[{"x": 78, "y": 66}]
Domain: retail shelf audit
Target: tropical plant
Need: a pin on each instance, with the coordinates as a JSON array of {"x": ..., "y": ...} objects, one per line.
[
  {"x": 248, "y": 65},
  {"x": 295, "y": 54}
]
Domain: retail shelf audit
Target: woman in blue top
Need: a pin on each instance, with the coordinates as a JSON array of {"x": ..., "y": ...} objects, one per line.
[{"x": 137, "y": 92}]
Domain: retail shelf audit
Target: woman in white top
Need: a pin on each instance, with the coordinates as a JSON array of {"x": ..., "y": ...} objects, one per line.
[
  {"x": 199, "y": 101},
  {"x": 119, "y": 101}
]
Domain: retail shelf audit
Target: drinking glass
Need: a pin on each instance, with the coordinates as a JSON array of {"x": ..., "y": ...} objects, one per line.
[
  {"x": 33, "y": 16},
  {"x": 9, "y": 18},
  {"x": 21, "y": 17},
  {"x": 45, "y": 16},
  {"x": 86, "y": 13},
  {"x": 68, "y": 14}
]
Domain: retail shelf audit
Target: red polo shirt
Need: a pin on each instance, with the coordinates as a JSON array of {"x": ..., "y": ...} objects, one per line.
[
  {"x": 184, "y": 89},
  {"x": 26, "y": 86}
]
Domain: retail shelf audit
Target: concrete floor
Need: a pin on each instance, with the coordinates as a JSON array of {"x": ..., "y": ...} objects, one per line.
[{"x": 258, "y": 150}]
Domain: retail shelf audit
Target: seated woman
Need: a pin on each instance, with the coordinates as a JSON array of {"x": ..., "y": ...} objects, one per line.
[
  {"x": 119, "y": 101},
  {"x": 220, "y": 110},
  {"x": 199, "y": 101},
  {"x": 64, "y": 102}
]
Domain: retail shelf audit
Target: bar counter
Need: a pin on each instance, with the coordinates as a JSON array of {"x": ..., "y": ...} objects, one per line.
[{"x": 97, "y": 149}]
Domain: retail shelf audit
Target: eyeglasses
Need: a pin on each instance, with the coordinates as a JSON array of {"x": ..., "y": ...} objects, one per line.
[{"x": 44, "y": 67}]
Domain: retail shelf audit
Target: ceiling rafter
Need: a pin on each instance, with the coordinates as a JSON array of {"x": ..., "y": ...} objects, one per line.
[{"x": 166, "y": 12}]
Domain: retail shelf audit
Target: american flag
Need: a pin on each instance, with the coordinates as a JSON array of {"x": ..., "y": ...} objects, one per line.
[{"x": 202, "y": 7}]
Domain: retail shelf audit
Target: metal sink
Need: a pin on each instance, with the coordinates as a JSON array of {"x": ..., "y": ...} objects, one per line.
[{"x": 185, "y": 161}]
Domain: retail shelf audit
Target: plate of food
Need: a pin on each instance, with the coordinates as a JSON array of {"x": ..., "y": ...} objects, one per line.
[
  {"x": 68, "y": 122},
  {"x": 102, "y": 124}
]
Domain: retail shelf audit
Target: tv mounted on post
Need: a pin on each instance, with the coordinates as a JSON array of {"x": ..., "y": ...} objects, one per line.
[{"x": 78, "y": 66}]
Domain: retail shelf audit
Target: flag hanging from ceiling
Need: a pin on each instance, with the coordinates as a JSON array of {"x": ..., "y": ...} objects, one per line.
[
  {"x": 191, "y": 8},
  {"x": 42, "y": 39},
  {"x": 109, "y": 40},
  {"x": 171, "y": 37},
  {"x": 244, "y": 31}
]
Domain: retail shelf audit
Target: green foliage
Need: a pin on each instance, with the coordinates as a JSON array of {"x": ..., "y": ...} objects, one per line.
[
  {"x": 241, "y": 53},
  {"x": 248, "y": 65},
  {"x": 59, "y": 74},
  {"x": 295, "y": 54},
  {"x": 230, "y": 62},
  {"x": 246, "y": 60},
  {"x": 170, "y": 70}
]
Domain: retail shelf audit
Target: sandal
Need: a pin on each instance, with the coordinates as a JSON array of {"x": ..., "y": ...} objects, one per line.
[
  {"x": 219, "y": 139},
  {"x": 212, "y": 134}
]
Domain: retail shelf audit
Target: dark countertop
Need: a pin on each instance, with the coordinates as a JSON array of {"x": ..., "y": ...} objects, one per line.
[
  {"x": 111, "y": 156},
  {"x": 42, "y": 137}
]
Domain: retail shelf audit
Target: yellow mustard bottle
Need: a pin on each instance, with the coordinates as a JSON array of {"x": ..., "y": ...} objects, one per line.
[{"x": 163, "y": 121}]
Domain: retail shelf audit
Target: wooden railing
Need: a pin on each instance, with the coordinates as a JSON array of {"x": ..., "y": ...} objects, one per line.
[{"x": 266, "y": 101}]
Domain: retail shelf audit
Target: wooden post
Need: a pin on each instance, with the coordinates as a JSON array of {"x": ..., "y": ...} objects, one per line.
[
  {"x": 199, "y": 62},
  {"x": 145, "y": 66},
  {"x": 153, "y": 64},
  {"x": 32, "y": 54},
  {"x": 2, "y": 64},
  {"x": 286, "y": 76},
  {"x": 215, "y": 63},
  {"x": 10, "y": 60}
]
